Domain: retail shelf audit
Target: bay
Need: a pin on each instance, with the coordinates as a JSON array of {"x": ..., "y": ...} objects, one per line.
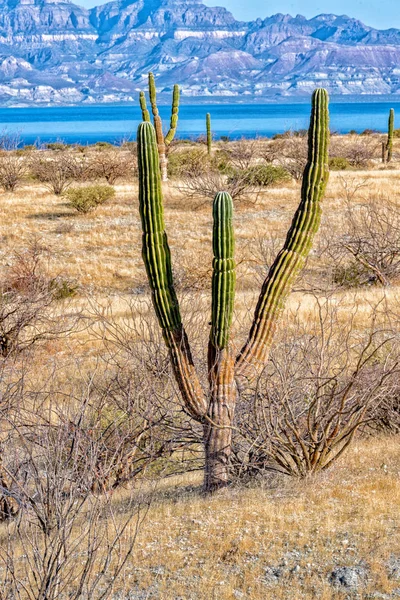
[{"x": 113, "y": 123}]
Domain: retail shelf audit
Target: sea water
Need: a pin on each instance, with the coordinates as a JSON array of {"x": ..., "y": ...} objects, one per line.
[{"x": 114, "y": 123}]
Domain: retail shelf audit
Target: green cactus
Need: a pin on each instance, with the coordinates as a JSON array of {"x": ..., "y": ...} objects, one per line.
[
  {"x": 161, "y": 140},
  {"x": 215, "y": 409},
  {"x": 224, "y": 274},
  {"x": 174, "y": 116},
  {"x": 157, "y": 259},
  {"x": 389, "y": 144},
  {"x": 209, "y": 133},
  {"x": 143, "y": 106},
  {"x": 291, "y": 258}
]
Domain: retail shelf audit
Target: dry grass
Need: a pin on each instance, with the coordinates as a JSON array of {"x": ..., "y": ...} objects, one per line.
[
  {"x": 224, "y": 547},
  {"x": 221, "y": 547},
  {"x": 229, "y": 546}
]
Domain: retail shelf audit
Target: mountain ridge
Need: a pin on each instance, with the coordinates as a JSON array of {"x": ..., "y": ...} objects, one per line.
[{"x": 57, "y": 52}]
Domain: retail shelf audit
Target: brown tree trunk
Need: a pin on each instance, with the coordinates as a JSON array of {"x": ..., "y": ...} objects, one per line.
[{"x": 218, "y": 427}]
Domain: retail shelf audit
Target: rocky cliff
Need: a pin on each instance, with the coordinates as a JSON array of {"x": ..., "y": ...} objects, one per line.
[{"x": 57, "y": 52}]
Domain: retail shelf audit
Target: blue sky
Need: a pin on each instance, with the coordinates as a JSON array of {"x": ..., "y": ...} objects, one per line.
[{"x": 381, "y": 14}]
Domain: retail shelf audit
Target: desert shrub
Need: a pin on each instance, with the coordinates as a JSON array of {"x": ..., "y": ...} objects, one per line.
[
  {"x": 85, "y": 199},
  {"x": 339, "y": 163},
  {"x": 56, "y": 170},
  {"x": 103, "y": 145},
  {"x": 265, "y": 175},
  {"x": 396, "y": 133},
  {"x": 323, "y": 380},
  {"x": 368, "y": 249},
  {"x": 244, "y": 153},
  {"x": 191, "y": 162},
  {"x": 13, "y": 170},
  {"x": 27, "y": 296},
  {"x": 358, "y": 152},
  {"x": 56, "y": 146},
  {"x": 110, "y": 164},
  {"x": 370, "y": 132},
  {"x": 220, "y": 162},
  {"x": 288, "y": 152}
]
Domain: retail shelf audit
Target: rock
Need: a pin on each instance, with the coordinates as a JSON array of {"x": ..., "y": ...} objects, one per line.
[
  {"x": 272, "y": 575},
  {"x": 394, "y": 567},
  {"x": 350, "y": 578}
]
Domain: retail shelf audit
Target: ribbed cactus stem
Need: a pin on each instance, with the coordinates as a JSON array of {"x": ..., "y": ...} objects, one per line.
[
  {"x": 389, "y": 145},
  {"x": 157, "y": 260},
  {"x": 209, "y": 133},
  {"x": 221, "y": 364},
  {"x": 224, "y": 273},
  {"x": 154, "y": 110},
  {"x": 143, "y": 106},
  {"x": 291, "y": 258},
  {"x": 174, "y": 115}
]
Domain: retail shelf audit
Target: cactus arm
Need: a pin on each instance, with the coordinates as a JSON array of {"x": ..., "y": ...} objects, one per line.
[
  {"x": 209, "y": 134},
  {"x": 143, "y": 106},
  {"x": 174, "y": 116},
  {"x": 154, "y": 110},
  {"x": 224, "y": 274},
  {"x": 158, "y": 127},
  {"x": 157, "y": 260},
  {"x": 389, "y": 145},
  {"x": 221, "y": 364},
  {"x": 254, "y": 354}
]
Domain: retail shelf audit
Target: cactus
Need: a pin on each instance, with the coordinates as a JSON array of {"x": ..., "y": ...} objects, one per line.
[
  {"x": 157, "y": 259},
  {"x": 143, "y": 106},
  {"x": 215, "y": 408},
  {"x": 162, "y": 141},
  {"x": 209, "y": 133},
  {"x": 389, "y": 144},
  {"x": 221, "y": 363}
]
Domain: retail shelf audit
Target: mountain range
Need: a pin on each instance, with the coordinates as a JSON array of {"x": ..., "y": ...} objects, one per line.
[{"x": 56, "y": 52}]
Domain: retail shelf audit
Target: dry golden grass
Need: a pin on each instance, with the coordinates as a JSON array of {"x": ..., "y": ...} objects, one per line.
[{"x": 221, "y": 547}]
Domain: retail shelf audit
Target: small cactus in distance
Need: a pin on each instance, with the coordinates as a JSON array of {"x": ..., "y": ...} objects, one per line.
[
  {"x": 162, "y": 141},
  {"x": 214, "y": 408},
  {"x": 389, "y": 145},
  {"x": 209, "y": 133}
]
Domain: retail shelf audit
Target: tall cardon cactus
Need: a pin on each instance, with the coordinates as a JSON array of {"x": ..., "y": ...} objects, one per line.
[
  {"x": 209, "y": 133},
  {"x": 162, "y": 141},
  {"x": 227, "y": 375}
]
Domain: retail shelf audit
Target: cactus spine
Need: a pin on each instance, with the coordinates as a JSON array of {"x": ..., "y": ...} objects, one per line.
[
  {"x": 215, "y": 409},
  {"x": 291, "y": 258},
  {"x": 162, "y": 141},
  {"x": 389, "y": 145},
  {"x": 209, "y": 133}
]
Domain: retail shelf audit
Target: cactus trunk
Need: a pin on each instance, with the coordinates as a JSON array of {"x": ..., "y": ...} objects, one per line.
[
  {"x": 221, "y": 364},
  {"x": 254, "y": 354},
  {"x": 218, "y": 426},
  {"x": 209, "y": 134}
]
